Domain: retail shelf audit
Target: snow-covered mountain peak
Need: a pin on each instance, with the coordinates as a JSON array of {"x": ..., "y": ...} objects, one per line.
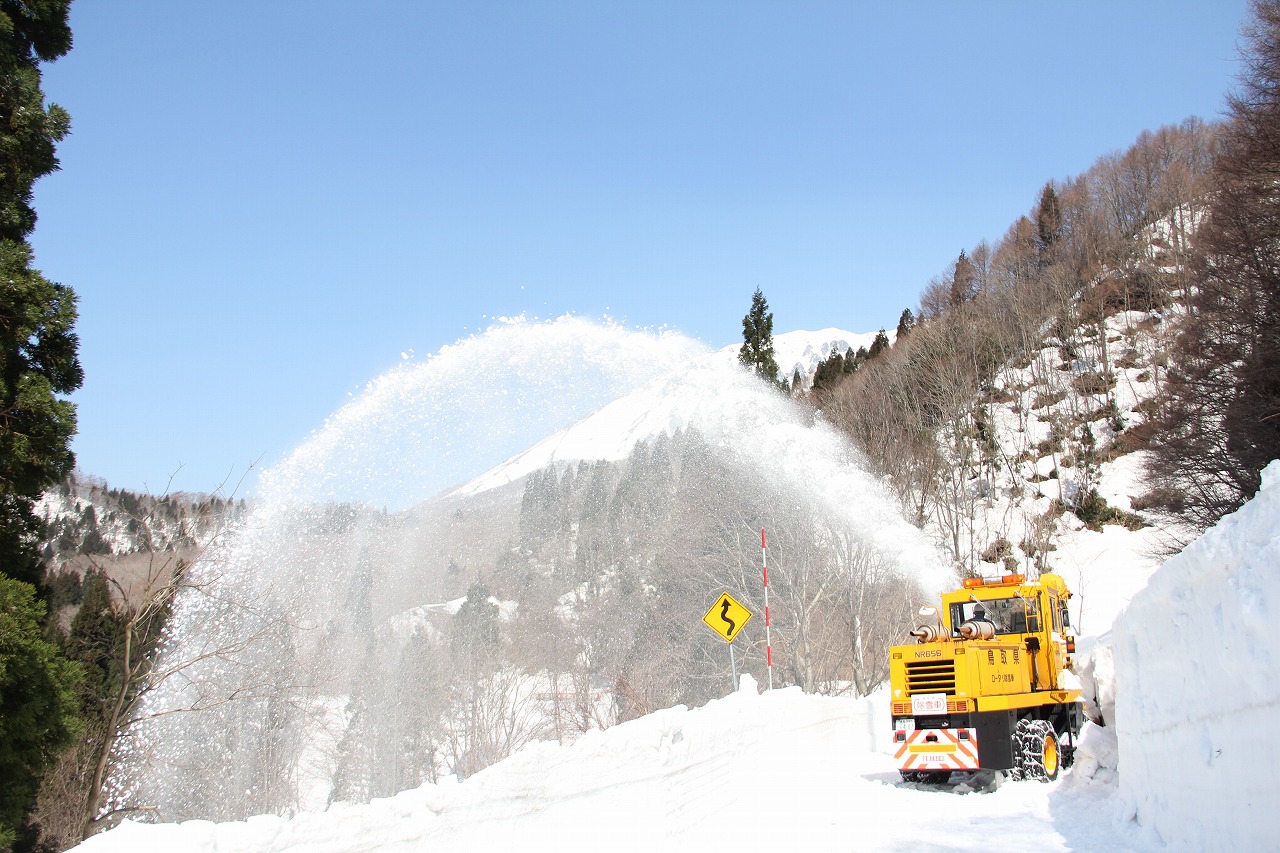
[
  {"x": 804, "y": 351},
  {"x": 711, "y": 391}
]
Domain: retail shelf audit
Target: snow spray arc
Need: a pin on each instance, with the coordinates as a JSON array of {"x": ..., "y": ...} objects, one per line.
[{"x": 290, "y": 659}]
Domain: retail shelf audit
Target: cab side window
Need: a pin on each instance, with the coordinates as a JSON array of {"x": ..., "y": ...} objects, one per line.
[{"x": 1033, "y": 614}]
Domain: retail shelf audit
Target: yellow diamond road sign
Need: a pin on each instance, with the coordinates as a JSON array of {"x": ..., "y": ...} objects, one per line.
[{"x": 727, "y": 617}]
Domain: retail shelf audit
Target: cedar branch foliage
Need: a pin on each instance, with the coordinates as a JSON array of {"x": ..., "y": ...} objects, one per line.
[{"x": 31, "y": 31}]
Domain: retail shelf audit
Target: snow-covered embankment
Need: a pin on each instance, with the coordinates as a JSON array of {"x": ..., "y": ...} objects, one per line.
[{"x": 1198, "y": 685}]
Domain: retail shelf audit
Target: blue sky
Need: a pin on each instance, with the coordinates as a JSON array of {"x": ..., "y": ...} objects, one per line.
[{"x": 263, "y": 204}]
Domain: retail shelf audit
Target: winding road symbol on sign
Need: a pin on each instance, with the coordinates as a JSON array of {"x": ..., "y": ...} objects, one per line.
[
  {"x": 727, "y": 617},
  {"x": 724, "y": 616}
]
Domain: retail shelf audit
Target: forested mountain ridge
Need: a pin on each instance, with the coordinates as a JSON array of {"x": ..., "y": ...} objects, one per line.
[
  {"x": 88, "y": 524},
  {"x": 84, "y": 515},
  {"x": 113, "y": 560},
  {"x": 1044, "y": 355}
]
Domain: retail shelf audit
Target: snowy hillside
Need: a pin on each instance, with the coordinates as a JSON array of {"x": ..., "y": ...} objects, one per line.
[
  {"x": 83, "y": 515},
  {"x": 1061, "y": 428}
]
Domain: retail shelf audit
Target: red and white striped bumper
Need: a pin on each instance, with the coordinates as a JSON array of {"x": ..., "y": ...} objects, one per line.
[{"x": 937, "y": 749}]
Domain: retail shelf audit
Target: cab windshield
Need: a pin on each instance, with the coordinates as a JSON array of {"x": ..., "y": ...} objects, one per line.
[{"x": 1012, "y": 615}]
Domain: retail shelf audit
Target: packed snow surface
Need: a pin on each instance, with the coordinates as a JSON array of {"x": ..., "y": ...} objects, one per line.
[{"x": 774, "y": 771}]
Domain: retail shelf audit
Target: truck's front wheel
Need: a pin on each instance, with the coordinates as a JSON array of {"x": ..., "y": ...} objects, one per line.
[{"x": 1035, "y": 750}]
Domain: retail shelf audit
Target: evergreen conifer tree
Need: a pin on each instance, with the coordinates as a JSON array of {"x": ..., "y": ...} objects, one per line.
[
  {"x": 92, "y": 641},
  {"x": 879, "y": 345},
  {"x": 962, "y": 282},
  {"x": 1048, "y": 224},
  {"x": 757, "y": 339},
  {"x": 38, "y": 363},
  {"x": 906, "y": 323},
  {"x": 474, "y": 639},
  {"x": 37, "y": 707},
  {"x": 829, "y": 372},
  {"x": 38, "y": 345}
]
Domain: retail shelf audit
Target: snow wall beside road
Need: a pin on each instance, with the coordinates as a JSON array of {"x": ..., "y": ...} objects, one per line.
[{"x": 1197, "y": 657}]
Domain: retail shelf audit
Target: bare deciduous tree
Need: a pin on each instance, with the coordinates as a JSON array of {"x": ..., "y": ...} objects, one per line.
[{"x": 1222, "y": 422}]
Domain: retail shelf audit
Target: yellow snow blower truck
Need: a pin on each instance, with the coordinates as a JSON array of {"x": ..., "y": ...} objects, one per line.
[{"x": 985, "y": 685}]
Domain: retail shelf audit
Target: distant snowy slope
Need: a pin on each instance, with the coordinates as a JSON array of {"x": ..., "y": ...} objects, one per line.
[
  {"x": 804, "y": 351},
  {"x": 708, "y": 392},
  {"x": 759, "y": 429}
]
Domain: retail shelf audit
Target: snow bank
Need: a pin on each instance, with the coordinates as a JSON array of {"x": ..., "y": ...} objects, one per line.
[
  {"x": 1095, "y": 756},
  {"x": 1095, "y": 667},
  {"x": 642, "y": 785},
  {"x": 1198, "y": 685}
]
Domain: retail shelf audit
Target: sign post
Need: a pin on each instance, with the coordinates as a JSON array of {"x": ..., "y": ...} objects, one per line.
[
  {"x": 727, "y": 618},
  {"x": 768, "y": 640}
]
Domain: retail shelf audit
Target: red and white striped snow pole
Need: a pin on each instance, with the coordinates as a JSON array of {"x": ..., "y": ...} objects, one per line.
[{"x": 768, "y": 640}]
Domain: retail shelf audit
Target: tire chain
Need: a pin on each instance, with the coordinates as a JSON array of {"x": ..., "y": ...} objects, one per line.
[{"x": 1028, "y": 747}]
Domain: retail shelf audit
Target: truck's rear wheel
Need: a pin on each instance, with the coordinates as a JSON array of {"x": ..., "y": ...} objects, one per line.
[{"x": 1036, "y": 751}]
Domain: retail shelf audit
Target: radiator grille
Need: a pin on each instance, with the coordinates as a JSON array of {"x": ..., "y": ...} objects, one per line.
[{"x": 931, "y": 677}]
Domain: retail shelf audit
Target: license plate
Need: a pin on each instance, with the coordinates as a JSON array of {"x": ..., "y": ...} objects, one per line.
[
  {"x": 929, "y": 704},
  {"x": 904, "y": 724}
]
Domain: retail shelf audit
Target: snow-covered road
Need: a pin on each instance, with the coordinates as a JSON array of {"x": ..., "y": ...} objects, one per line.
[{"x": 775, "y": 771}]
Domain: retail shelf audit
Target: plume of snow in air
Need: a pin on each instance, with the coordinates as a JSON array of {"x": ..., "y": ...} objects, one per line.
[
  {"x": 425, "y": 426},
  {"x": 285, "y": 613}
]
